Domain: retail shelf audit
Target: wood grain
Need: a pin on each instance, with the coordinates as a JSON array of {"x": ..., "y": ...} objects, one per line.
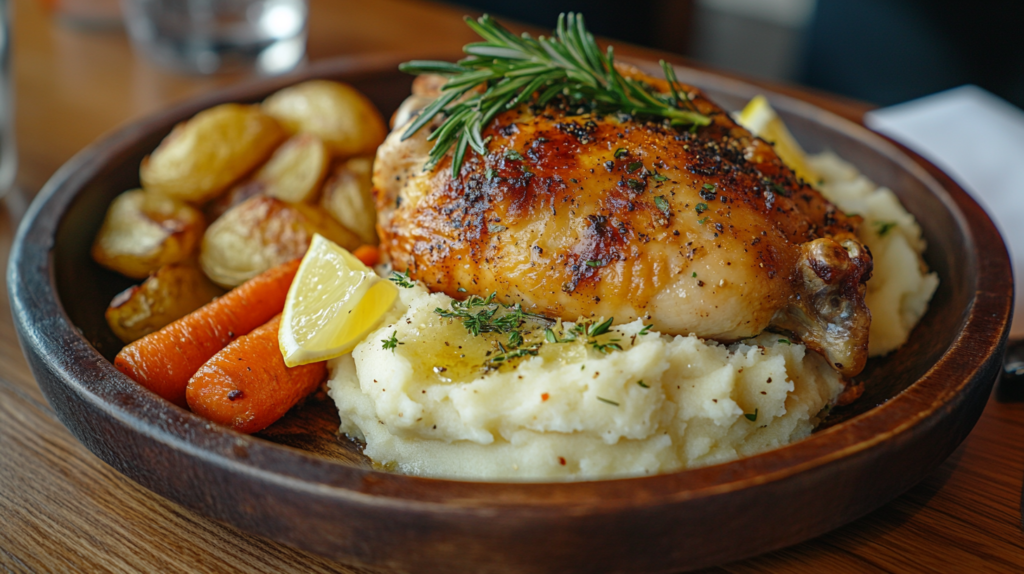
[{"x": 61, "y": 509}]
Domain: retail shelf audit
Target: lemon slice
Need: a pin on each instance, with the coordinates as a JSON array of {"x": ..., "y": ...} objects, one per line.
[
  {"x": 759, "y": 117},
  {"x": 333, "y": 303}
]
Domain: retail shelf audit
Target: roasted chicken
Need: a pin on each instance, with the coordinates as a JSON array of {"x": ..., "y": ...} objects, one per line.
[{"x": 572, "y": 214}]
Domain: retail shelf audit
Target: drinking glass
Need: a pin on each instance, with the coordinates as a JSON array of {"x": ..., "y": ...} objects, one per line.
[
  {"x": 209, "y": 36},
  {"x": 8, "y": 154}
]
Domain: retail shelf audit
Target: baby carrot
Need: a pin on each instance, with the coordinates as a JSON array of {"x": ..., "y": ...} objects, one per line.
[
  {"x": 164, "y": 361},
  {"x": 247, "y": 386},
  {"x": 368, "y": 254}
]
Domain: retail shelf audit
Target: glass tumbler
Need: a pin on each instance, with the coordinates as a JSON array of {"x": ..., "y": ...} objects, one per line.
[
  {"x": 8, "y": 153},
  {"x": 210, "y": 36}
]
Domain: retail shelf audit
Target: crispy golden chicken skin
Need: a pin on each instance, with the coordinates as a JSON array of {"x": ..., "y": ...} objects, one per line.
[{"x": 579, "y": 215}]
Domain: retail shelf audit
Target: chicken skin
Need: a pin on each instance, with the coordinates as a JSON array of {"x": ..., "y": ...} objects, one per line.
[{"x": 575, "y": 214}]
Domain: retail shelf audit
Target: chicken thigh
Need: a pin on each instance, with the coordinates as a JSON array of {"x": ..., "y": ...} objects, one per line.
[{"x": 575, "y": 214}]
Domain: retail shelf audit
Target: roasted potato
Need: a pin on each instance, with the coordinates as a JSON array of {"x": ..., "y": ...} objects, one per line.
[
  {"x": 348, "y": 197},
  {"x": 296, "y": 170},
  {"x": 237, "y": 194},
  {"x": 262, "y": 232},
  {"x": 201, "y": 157},
  {"x": 144, "y": 230},
  {"x": 337, "y": 113},
  {"x": 172, "y": 292}
]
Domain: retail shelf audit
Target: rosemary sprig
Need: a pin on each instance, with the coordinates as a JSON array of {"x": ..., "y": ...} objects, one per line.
[{"x": 511, "y": 69}]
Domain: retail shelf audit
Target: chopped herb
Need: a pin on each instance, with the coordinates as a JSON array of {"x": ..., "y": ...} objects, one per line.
[
  {"x": 495, "y": 228},
  {"x": 487, "y": 319},
  {"x": 780, "y": 190},
  {"x": 392, "y": 342},
  {"x": 694, "y": 274},
  {"x": 461, "y": 289},
  {"x": 606, "y": 347},
  {"x": 752, "y": 417},
  {"x": 490, "y": 173},
  {"x": 513, "y": 155},
  {"x": 401, "y": 278},
  {"x": 521, "y": 352},
  {"x": 785, "y": 341},
  {"x": 633, "y": 166},
  {"x": 515, "y": 339},
  {"x": 702, "y": 221},
  {"x": 550, "y": 336},
  {"x": 709, "y": 186},
  {"x": 641, "y": 383},
  {"x": 662, "y": 205},
  {"x": 600, "y": 328},
  {"x": 701, "y": 208},
  {"x": 621, "y": 153},
  {"x": 658, "y": 177},
  {"x": 595, "y": 263},
  {"x": 604, "y": 400},
  {"x": 634, "y": 184},
  {"x": 646, "y": 329},
  {"x": 884, "y": 227}
]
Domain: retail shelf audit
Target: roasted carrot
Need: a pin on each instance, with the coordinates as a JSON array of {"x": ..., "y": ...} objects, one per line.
[
  {"x": 368, "y": 254},
  {"x": 247, "y": 386},
  {"x": 164, "y": 361}
]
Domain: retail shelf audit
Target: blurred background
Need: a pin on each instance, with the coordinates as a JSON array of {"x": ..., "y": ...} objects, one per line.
[{"x": 880, "y": 51}]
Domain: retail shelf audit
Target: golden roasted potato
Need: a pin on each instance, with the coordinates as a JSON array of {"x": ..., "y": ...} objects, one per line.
[
  {"x": 144, "y": 230},
  {"x": 172, "y": 292},
  {"x": 262, "y": 232},
  {"x": 201, "y": 157},
  {"x": 237, "y": 194},
  {"x": 343, "y": 118},
  {"x": 296, "y": 169},
  {"x": 348, "y": 197}
]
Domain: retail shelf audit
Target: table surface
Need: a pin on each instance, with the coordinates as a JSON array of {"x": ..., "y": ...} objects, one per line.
[{"x": 62, "y": 509}]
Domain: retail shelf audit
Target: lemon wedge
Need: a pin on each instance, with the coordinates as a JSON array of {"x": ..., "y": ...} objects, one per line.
[
  {"x": 333, "y": 303},
  {"x": 759, "y": 117}
]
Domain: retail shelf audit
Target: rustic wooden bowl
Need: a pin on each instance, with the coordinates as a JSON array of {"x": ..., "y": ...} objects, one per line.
[{"x": 301, "y": 484}]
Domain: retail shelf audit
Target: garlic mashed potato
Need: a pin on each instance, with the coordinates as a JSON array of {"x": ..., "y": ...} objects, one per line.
[{"x": 430, "y": 398}]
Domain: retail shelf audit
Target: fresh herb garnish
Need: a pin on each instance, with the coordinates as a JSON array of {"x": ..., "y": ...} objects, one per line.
[
  {"x": 595, "y": 263},
  {"x": 633, "y": 166},
  {"x": 513, "y": 155},
  {"x": 621, "y": 153},
  {"x": 752, "y": 417},
  {"x": 600, "y": 328},
  {"x": 701, "y": 208},
  {"x": 694, "y": 274},
  {"x": 646, "y": 329},
  {"x": 641, "y": 383},
  {"x": 495, "y": 228},
  {"x": 702, "y": 221},
  {"x": 785, "y": 341},
  {"x": 658, "y": 177},
  {"x": 662, "y": 205},
  {"x": 610, "y": 402},
  {"x": 513, "y": 68},
  {"x": 635, "y": 185},
  {"x": 884, "y": 227},
  {"x": 490, "y": 173},
  {"x": 709, "y": 186},
  {"x": 480, "y": 315},
  {"x": 401, "y": 278},
  {"x": 391, "y": 343}
]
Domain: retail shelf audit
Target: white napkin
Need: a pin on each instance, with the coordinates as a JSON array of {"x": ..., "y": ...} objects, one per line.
[{"x": 978, "y": 139}]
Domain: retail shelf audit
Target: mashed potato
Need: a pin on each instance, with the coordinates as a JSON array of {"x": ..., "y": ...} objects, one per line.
[
  {"x": 429, "y": 398},
  {"x": 899, "y": 290},
  {"x": 571, "y": 410}
]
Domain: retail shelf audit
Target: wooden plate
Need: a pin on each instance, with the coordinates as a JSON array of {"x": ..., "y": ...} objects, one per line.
[{"x": 301, "y": 484}]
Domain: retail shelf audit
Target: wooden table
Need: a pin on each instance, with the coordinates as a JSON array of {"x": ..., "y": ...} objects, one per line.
[{"x": 62, "y": 509}]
